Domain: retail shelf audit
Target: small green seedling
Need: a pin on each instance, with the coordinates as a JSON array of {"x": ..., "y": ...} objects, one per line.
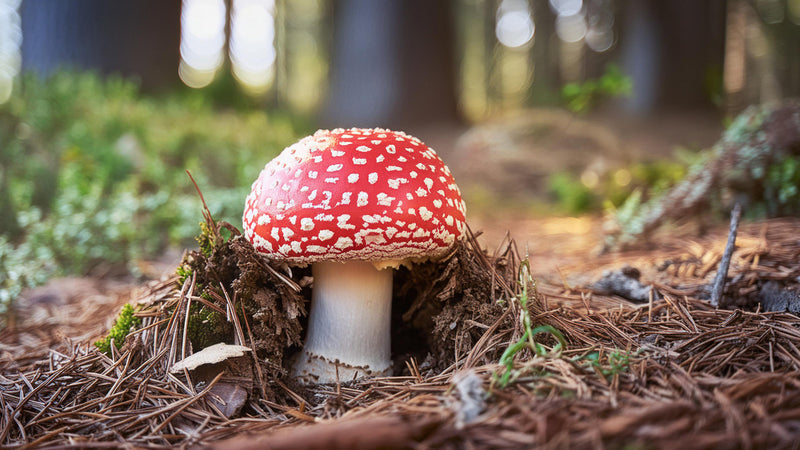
[
  {"x": 528, "y": 339},
  {"x": 615, "y": 362}
]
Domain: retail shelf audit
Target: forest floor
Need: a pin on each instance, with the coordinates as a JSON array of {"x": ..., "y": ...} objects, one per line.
[
  {"x": 661, "y": 372},
  {"x": 665, "y": 370}
]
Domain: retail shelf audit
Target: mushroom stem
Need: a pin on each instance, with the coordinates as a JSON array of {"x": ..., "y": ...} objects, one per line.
[{"x": 349, "y": 325}]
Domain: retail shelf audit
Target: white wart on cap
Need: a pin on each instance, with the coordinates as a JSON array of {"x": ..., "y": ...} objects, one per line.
[{"x": 374, "y": 196}]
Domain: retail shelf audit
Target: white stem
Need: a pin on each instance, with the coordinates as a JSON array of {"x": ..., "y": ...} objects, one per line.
[{"x": 349, "y": 325}]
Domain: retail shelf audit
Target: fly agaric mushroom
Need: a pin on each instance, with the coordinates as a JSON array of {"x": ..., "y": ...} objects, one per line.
[{"x": 354, "y": 204}]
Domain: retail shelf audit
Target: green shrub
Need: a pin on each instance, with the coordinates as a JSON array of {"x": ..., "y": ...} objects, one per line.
[
  {"x": 573, "y": 196},
  {"x": 580, "y": 97},
  {"x": 570, "y": 193},
  {"x": 93, "y": 172},
  {"x": 781, "y": 191}
]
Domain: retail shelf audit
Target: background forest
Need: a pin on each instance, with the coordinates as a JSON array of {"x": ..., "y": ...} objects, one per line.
[{"x": 103, "y": 107}]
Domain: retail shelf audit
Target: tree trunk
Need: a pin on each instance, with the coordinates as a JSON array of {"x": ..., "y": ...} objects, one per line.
[
  {"x": 670, "y": 49},
  {"x": 136, "y": 39},
  {"x": 784, "y": 44},
  {"x": 392, "y": 64},
  {"x": 546, "y": 87}
]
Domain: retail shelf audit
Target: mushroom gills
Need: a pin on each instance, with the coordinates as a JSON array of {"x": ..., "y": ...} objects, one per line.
[{"x": 349, "y": 326}]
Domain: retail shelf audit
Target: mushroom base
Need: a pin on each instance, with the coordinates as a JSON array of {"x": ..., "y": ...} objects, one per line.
[{"x": 349, "y": 325}]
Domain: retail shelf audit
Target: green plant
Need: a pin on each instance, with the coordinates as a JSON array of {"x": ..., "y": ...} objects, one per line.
[
  {"x": 781, "y": 193},
  {"x": 607, "y": 364},
  {"x": 613, "y": 188},
  {"x": 570, "y": 193},
  {"x": 528, "y": 338},
  {"x": 125, "y": 322},
  {"x": 580, "y": 97},
  {"x": 92, "y": 173},
  {"x": 21, "y": 266}
]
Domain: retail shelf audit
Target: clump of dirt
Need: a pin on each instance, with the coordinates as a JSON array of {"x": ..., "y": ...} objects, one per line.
[
  {"x": 449, "y": 304},
  {"x": 231, "y": 276}
]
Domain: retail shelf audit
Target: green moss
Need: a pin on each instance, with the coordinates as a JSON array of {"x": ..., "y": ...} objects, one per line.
[
  {"x": 205, "y": 239},
  {"x": 206, "y": 326},
  {"x": 753, "y": 162},
  {"x": 124, "y": 324},
  {"x": 183, "y": 271}
]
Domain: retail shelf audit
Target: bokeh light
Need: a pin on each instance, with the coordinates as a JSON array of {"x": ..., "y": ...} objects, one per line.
[
  {"x": 599, "y": 40},
  {"x": 515, "y": 26},
  {"x": 252, "y": 46},
  {"x": 10, "y": 41},
  {"x": 600, "y": 34},
  {"x": 566, "y": 7},
  {"x": 571, "y": 28},
  {"x": 202, "y": 41}
]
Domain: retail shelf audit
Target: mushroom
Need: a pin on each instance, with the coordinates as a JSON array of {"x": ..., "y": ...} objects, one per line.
[{"x": 354, "y": 204}]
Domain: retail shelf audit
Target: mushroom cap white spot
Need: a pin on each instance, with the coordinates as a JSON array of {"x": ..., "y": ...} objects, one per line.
[
  {"x": 341, "y": 222},
  {"x": 425, "y": 213},
  {"x": 363, "y": 199},
  {"x": 343, "y": 243}
]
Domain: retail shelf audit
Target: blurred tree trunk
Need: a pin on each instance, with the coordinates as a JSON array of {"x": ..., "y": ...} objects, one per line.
[
  {"x": 762, "y": 53},
  {"x": 672, "y": 50},
  {"x": 491, "y": 75},
  {"x": 784, "y": 46},
  {"x": 392, "y": 64},
  {"x": 546, "y": 87},
  {"x": 138, "y": 39}
]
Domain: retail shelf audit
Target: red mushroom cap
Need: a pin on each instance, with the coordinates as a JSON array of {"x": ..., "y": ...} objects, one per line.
[{"x": 357, "y": 194}]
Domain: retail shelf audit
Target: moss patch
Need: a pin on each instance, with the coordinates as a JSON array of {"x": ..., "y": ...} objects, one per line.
[{"x": 124, "y": 324}]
